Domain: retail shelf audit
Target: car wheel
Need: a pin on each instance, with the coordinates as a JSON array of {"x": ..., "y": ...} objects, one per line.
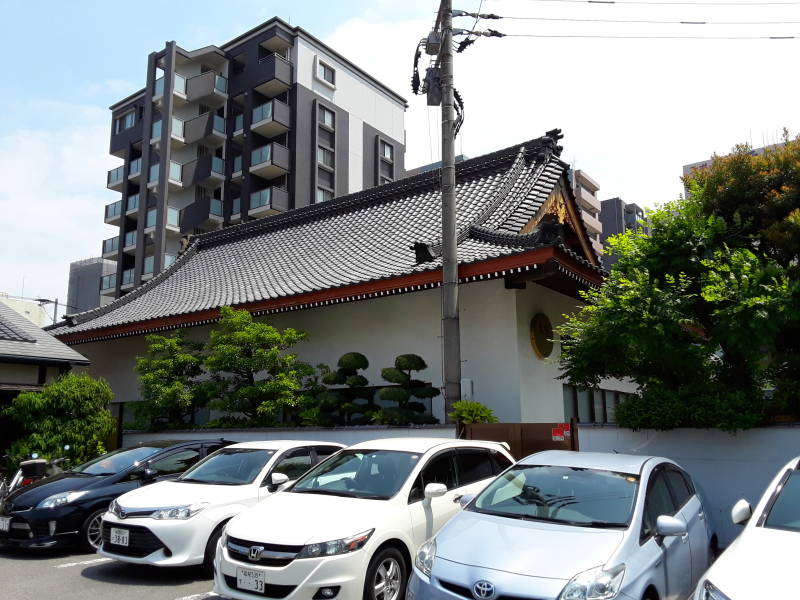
[
  {"x": 91, "y": 534},
  {"x": 386, "y": 576},
  {"x": 211, "y": 551}
]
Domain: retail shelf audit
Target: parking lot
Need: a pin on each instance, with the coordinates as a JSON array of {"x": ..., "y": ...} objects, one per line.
[{"x": 71, "y": 575}]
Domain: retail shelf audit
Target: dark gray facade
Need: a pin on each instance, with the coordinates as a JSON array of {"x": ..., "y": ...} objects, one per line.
[
  {"x": 618, "y": 217},
  {"x": 82, "y": 293},
  {"x": 223, "y": 135}
]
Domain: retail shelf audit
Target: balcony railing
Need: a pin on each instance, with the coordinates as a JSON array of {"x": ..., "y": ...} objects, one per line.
[
  {"x": 236, "y": 206},
  {"x": 136, "y": 166},
  {"x": 111, "y": 244},
  {"x": 261, "y": 155},
  {"x": 219, "y": 124},
  {"x": 158, "y": 90},
  {"x": 173, "y": 217},
  {"x": 115, "y": 175},
  {"x": 147, "y": 267},
  {"x": 237, "y": 163},
  {"x": 180, "y": 84},
  {"x": 260, "y": 198},
  {"x": 133, "y": 202},
  {"x": 130, "y": 239},
  {"x": 215, "y": 207},
  {"x": 169, "y": 260},
  {"x": 175, "y": 171},
  {"x": 217, "y": 165},
  {"x": 127, "y": 276},
  {"x": 150, "y": 221},
  {"x": 108, "y": 282},
  {"x": 238, "y": 122},
  {"x": 114, "y": 209},
  {"x": 221, "y": 84},
  {"x": 177, "y": 127},
  {"x": 263, "y": 112},
  {"x": 155, "y": 130},
  {"x": 155, "y": 171}
]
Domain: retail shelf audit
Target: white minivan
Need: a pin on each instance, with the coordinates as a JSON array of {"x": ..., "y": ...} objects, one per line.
[
  {"x": 178, "y": 522},
  {"x": 349, "y": 527}
]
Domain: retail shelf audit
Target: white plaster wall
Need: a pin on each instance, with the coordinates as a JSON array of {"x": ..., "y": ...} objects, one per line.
[
  {"x": 356, "y": 154},
  {"x": 347, "y": 436},
  {"x": 353, "y": 93},
  {"x": 19, "y": 373},
  {"x": 725, "y": 467}
]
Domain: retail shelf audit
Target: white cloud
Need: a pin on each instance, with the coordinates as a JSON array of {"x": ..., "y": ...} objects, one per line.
[
  {"x": 52, "y": 198},
  {"x": 632, "y": 111}
]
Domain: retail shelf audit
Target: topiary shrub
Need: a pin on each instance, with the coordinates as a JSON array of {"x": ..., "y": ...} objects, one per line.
[{"x": 468, "y": 411}]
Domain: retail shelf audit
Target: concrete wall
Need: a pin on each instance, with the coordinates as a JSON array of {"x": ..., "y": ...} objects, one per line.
[
  {"x": 19, "y": 373},
  {"x": 342, "y": 435},
  {"x": 496, "y": 352},
  {"x": 725, "y": 467}
]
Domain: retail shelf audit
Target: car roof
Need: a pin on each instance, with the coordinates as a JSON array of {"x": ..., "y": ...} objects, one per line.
[
  {"x": 420, "y": 444},
  {"x": 170, "y": 443},
  {"x": 281, "y": 444},
  {"x": 607, "y": 461}
]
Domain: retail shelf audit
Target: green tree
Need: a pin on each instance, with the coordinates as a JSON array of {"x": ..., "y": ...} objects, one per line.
[
  {"x": 339, "y": 405},
  {"x": 703, "y": 313},
  {"x": 73, "y": 410},
  {"x": 251, "y": 362},
  {"x": 170, "y": 376},
  {"x": 407, "y": 411}
]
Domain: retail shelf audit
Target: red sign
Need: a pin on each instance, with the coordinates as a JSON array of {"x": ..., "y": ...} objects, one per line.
[
  {"x": 558, "y": 434},
  {"x": 566, "y": 428}
]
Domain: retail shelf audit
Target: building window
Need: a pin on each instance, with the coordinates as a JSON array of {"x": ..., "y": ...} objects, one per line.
[
  {"x": 327, "y": 117},
  {"x": 325, "y": 157},
  {"x": 124, "y": 122},
  {"x": 324, "y": 195},
  {"x": 387, "y": 151},
  {"x": 326, "y": 72}
]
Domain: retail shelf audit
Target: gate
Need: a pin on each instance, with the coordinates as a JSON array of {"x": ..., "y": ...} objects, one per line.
[{"x": 526, "y": 438}]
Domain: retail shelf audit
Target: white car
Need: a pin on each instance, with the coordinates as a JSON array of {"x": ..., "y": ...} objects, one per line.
[
  {"x": 178, "y": 522},
  {"x": 349, "y": 528},
  {"x": 756, "y": 565},
  {"x": 572, "y": 526}
]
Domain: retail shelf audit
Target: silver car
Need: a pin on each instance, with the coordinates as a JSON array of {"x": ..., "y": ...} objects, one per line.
[{"x": 572, "y": 526}]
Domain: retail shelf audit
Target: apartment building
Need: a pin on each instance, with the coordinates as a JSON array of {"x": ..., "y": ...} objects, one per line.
[
  {"x": 271, "y": 121},
  {"x": 82, "y": 292},
  {"x": 617, "y": 217},
  {"x": 585, "y": 189}
]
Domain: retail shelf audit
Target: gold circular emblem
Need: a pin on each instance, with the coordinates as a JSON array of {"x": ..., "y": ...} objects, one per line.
[{"x": 541, "y": 335}]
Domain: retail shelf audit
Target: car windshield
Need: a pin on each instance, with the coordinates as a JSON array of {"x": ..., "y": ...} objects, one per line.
[
  {"x": 229, "y": 466},
  {"x": 785, "y": 510},
  {"x": 569, "y": 495},
  {"x": 116, "y": 461},
  {"x": 373, "y": 474}
]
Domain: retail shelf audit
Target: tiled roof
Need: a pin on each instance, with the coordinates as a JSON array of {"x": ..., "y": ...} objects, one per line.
[
  {"x": 22, "y": 341},
  {"x": 381, "y": 233}
]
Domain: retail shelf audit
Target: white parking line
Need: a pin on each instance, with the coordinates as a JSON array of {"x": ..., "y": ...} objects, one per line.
[
  {"x": 83, "y": 562},
  {"x": 207, "y": 595}
]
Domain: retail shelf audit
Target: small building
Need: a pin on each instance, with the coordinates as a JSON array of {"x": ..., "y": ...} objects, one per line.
[
  {"x": 362, "y": 273},
  {"x": 585, "y": 189},
  {"x": 618, "y": 217},
  {"x": 83, "y": 292}
]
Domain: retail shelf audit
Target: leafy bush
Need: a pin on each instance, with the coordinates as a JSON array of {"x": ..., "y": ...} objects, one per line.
[
  {"x": 73, "y": 410},
  {"x": 408, "y": 411},
  {"x": 468, "y": 411}
]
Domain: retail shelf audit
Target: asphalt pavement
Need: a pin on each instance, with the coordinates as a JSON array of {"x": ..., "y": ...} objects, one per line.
[{"x": 70, "y": 575}]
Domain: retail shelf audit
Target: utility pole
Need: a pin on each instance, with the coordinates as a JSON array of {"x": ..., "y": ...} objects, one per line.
[{"x": 451, "y": 335}]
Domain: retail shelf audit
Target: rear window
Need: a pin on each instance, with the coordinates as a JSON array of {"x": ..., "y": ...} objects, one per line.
[
  {"x": 117, "y": 461},
  {"x": 474, "y": 464}
]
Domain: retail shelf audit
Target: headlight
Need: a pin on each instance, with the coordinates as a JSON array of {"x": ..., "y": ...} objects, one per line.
[
  {"x": 594, "y": 584},
  {"x": 425, "y": 556},
  {"x": 61, "y": 499},
  {"x": 178, "y": 512},
  {"x": 710, "y": 592},
  {"x": 342, "y": 546}
]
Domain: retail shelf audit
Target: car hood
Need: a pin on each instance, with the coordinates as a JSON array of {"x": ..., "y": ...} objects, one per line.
[
  {"x": 531, "y": 548},
  {"x": 757, "y": 565},
  {"x": 31, "y": 495},
  {"x": 173, "y": 493},
  {"x": 294, "y": 519}
]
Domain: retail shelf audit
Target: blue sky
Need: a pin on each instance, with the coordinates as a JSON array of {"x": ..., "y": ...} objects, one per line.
[{"x": 632, "y": 111}]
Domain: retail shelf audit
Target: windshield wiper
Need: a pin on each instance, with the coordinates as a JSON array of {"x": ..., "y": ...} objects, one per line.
[
  {"x": 598, "y": 524},
  {"x": 326, "y": 492}
]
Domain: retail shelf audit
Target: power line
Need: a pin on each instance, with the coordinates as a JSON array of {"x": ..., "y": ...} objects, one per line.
[
  {"x": 650, "y": 37},
  {"x": 651, "y": 21},
  {"x": 663, "y": 3}
]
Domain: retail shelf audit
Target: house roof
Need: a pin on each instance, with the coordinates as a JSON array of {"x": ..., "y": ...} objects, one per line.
[
  {"x": 375, "y": 242},
  {"x": 22, "y": 341}
]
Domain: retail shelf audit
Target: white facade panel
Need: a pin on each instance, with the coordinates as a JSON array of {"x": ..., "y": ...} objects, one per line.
[{"x": 355, "y": 176}]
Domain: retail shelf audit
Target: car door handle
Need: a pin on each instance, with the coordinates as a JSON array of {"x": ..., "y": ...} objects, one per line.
[
  {"x": 457, "y": 498},
  {"x": 700, "y": 515}
]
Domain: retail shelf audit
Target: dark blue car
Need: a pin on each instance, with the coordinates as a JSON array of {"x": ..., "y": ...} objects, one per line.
[{"x": 68, "y": 507}]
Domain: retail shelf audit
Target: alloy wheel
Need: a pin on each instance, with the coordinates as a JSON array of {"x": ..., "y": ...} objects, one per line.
[
  {"x": 387, "y": 580},
  {"x": 93, "y": 534}
]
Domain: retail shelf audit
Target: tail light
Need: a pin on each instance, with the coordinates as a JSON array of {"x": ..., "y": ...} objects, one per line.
[{"x": 27, "y": 481}]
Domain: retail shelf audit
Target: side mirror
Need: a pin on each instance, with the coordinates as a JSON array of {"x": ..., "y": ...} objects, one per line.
[
  {"x": 278, "y": 479},
  {"x": 149, "y": 474},
  {"x": 464, "y": 499},
  {"x": 741, "y": 512},
  {"x": 670, "y": 526},
  {"x": 434, "y": 490}
]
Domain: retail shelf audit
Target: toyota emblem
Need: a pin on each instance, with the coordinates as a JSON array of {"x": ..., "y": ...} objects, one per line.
[
  {"x": 123, "y": 513},
  {"x": 255, "y": 552},
  {"x": 483, "y": 590}
]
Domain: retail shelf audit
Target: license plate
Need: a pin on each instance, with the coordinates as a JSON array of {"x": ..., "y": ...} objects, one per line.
[
  {"x": 5, "y": 523},
  {"x": 119, "y": 537},
  {"x": 249, "y": 579}
]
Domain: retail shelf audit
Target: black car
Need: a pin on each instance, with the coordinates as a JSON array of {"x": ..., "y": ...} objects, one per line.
[{"x": 69, "y": 507}]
